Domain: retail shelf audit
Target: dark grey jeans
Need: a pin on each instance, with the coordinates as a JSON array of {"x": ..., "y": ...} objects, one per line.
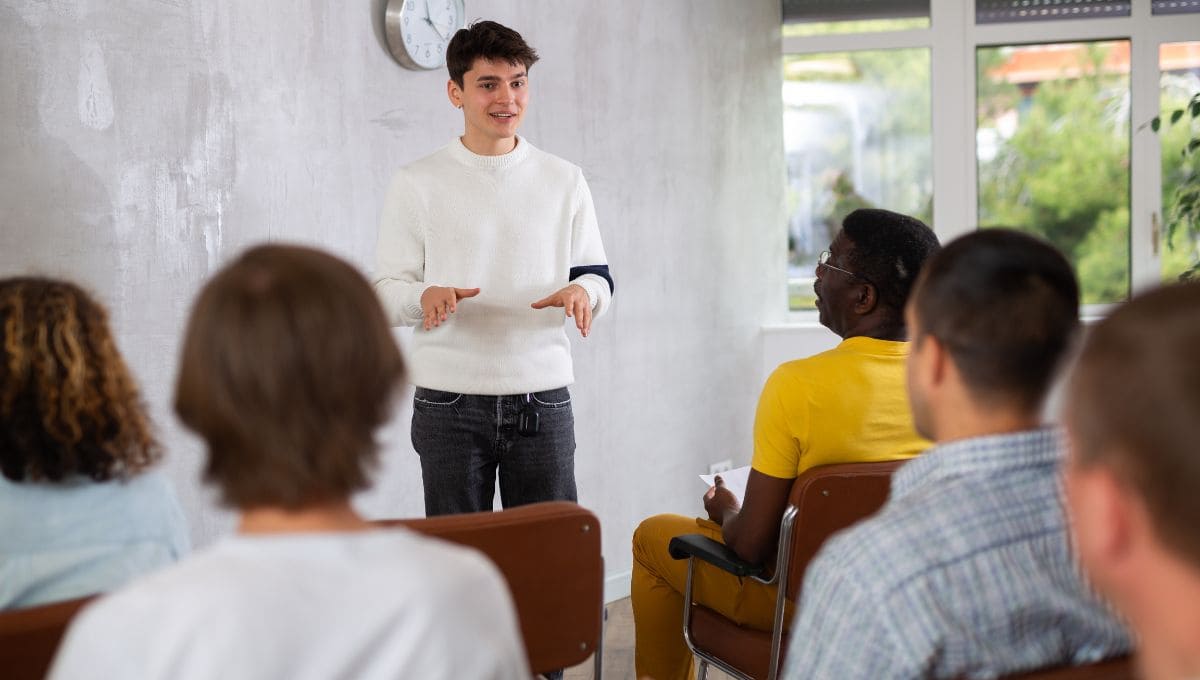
[{"x": 466, "y": 440}]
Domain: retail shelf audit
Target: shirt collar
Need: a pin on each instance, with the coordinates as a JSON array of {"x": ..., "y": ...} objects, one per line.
[
  {"x": 985, "y": 455},
  {"x": 474, "y": 160}
]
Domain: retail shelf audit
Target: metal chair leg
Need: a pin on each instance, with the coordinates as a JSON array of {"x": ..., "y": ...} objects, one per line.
[
  {"x": 702, "y": 674},
  {"x": 598, "y": 656}
]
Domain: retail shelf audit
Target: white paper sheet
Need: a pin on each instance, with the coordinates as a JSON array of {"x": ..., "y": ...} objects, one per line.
[{"x": 735, "y": 480}]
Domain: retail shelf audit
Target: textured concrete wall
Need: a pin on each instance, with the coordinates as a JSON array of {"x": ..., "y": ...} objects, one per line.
[{"x": 144, "y": 144}]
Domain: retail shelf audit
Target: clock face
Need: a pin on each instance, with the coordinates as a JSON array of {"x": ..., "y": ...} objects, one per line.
[{"x": 418, "y": 31}]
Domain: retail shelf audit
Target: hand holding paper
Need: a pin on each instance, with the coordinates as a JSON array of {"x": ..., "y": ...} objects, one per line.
[
  {"x": 720, "y": 500},
  {"x": 735, "y": 480}
]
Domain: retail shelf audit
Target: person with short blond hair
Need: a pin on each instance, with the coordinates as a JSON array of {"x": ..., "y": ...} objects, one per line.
[
  {"x": 288, "y": 368},
  {"x": 1133, "y": 423},
  {"x": 82, "y": 510}
]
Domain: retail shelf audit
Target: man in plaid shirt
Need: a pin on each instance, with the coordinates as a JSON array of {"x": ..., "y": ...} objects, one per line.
[{"x": 967, "y": 571}]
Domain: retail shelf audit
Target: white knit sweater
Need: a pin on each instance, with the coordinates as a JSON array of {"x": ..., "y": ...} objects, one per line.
[{"x": 512, "y": 226}]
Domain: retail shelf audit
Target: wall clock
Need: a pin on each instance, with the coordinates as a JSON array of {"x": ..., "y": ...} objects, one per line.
[{"x": 418, "y": 31}]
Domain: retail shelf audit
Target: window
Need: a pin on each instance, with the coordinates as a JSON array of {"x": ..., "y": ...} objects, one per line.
[
  {"x": 1179, "y": 65},
  {"x": 856, "y": 125},
  {"x": 1026, "y": 113},
  {"x": 1052, "y": 143},
  {"x": 856, "y": 135}
]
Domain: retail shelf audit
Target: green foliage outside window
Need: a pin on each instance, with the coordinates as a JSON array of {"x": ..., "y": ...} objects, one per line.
[
  {"x": 1064, "y": 172},
  {"x": 1181, "y": 184}
]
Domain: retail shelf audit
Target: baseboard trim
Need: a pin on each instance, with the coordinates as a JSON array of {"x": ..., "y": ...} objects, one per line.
[{"x": 616, "y": 586}]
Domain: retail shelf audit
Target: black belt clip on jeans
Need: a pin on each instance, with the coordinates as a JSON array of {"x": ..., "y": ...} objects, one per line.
[{"x": 527, "y": 419}]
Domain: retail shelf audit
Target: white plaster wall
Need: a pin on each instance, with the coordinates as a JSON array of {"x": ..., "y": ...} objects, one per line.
[{"x": 142, "y": 145}]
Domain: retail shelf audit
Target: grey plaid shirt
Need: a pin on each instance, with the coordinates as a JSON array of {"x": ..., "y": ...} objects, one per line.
[{"x": 966, "y": 572}]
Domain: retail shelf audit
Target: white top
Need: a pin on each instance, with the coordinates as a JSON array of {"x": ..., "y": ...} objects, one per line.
[
  {"x": 362, "y": 605},
  {"x": 62, "y": 540},
  {"x": 513, "y": 226}
]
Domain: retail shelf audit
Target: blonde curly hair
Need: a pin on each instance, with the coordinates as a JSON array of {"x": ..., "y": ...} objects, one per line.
[{"x": 68, "y": 405}]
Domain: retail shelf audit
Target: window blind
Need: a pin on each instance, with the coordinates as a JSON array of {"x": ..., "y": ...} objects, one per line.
[
  {"x": 1002, "y": 11},
  {"x": 1175, "y": 7},
  {"x": 810, "y": 11}
]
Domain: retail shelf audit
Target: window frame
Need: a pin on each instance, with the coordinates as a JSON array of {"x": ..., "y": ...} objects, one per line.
[{"x": 952, "y": 38}]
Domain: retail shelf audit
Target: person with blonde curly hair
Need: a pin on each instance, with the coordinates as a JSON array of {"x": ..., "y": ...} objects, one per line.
[{"x": 81, "y": 511}]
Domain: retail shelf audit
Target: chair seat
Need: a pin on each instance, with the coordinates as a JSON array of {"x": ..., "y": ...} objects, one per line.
[{"x": 746, "y": 649}]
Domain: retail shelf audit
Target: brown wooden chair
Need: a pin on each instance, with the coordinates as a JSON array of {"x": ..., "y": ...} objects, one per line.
[
  {"x": 824, "y": 500},
  {"x": 29, "y": 637},
  {"x": 1119, "y": 668},
  {"x": 549, "y": 553}
]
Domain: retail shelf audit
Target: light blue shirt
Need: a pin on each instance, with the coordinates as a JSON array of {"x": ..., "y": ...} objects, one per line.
[
  {"x": 966, "y": 572},
  {"x": 64, "y": 540}
]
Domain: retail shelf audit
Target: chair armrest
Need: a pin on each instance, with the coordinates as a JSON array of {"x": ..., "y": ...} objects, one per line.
[{"x": 714, "y": 552}]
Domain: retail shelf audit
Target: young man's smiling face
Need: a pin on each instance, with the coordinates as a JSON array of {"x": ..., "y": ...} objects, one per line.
[{"x": 493, "y": 97}]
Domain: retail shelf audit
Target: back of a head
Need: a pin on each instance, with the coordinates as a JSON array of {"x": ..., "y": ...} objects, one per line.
[
  {"x": 1134, "y": 406},
  {"x": 68, "y": 405},
  {"x": 486, "y": 40},
  {"x": 288, "y": 368},
  {"x": 1006, "y": 306},
  {"x": 889, "y": 250}
]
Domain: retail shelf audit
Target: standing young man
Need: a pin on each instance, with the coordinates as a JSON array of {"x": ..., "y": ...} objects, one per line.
[{"x": 477, "y": 243}]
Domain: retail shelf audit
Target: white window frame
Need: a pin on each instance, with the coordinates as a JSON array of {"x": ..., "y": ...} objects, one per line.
[{"x": 952, "y": 39}]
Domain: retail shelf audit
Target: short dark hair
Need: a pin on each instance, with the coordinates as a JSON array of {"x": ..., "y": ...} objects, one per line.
[
  {"x": 68, "y": 405},
  {"x": 1006, "y": 306},
  {"x": 889, "y": 250},
  {"x": 486, "y": 40},
  {"x": 288, "y": 368},
  {"x": 1133, "y": 405}
]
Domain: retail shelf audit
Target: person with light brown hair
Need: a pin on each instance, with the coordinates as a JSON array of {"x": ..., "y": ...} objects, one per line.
[
  {"x": 1133, "y": 426},
  {"x": 81, "y": 511},
  {"x": 288, "y": 368}
]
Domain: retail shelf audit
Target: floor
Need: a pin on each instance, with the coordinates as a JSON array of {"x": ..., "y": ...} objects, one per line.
[{"x": 618, "y": 649}]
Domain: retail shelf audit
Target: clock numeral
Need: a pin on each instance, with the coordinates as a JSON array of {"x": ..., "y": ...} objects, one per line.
[{"x": 427, "y": 54}]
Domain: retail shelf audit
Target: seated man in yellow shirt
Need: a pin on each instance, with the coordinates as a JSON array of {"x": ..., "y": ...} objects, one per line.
[{"x": 842, "y": 406}]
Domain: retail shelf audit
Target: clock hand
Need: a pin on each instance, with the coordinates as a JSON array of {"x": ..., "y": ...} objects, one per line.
[
  {"x": 438, "y": 27},
  {"x": 430, "y": 21},
  {"x": 443, "y": 30}
]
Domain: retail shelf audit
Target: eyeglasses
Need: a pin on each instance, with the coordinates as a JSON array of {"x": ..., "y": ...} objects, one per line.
[{"x": 823, "y": 260}]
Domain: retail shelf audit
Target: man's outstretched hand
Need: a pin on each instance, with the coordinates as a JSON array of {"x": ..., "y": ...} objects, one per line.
[
  {"x": 574, "y": 299},
  {"x": 439, "y": 302}
]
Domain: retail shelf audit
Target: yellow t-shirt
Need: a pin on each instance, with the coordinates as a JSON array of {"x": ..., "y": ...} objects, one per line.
[{"x": 847, "y": 405}]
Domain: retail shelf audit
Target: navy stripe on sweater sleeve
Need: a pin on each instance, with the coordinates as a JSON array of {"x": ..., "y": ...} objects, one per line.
[{"x": 600, "y": 270}]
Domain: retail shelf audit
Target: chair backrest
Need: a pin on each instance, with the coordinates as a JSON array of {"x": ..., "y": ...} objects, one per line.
[
  {"x": 827, "y": 499},
  {"x": 29, "y": 637},
  {"x": 549, "y": 553}
]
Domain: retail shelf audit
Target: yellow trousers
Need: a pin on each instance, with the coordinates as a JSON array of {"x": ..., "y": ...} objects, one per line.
[{"x": 657, "y": 595}]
